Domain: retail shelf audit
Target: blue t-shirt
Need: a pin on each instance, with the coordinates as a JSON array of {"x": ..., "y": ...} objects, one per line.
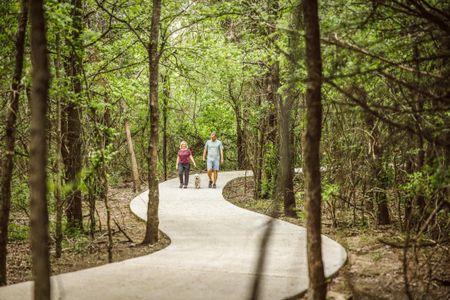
[{"x": 213, "y": 148}]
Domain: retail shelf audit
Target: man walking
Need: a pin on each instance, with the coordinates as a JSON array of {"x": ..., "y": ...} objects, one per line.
[{"x": 214, "y": 148}]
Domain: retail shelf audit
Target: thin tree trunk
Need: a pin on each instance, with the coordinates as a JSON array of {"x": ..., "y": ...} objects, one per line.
[
  {"x": 166, "y": 93},
  {"x": 259, "y": 159},
  {"x": 58, "y": 197},
  {"x": 378, "y": 176},
  {"x": 311, "y": 150},
  {"x": 286, "y": 104},
  {"x": 73, "y": 157},
  {"x": 240, "y": 141},
  {"x": 104, "y": 181},
  {"x": 259, "y": 153},
  {"x": 38, "y": 154},
  {"x": 417, "y": 109},
  {"x": 151, "y": 234},
  {"x": 7, "y": 162},
  {"x": 134, "y": 165},
  {"x": 104, "y": 176},
  {"x": 236, "y": 104}
]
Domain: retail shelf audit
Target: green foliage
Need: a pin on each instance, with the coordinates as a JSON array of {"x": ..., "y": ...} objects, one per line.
[
  {"x": 18, "y": 232},
  {"x": 20, "y": 195},
  {"x": 329, "y": 190},
  {"x": 427, "y": 181},
  {"x": 216, "y": 61},
  {"x": 271, "y": 169}
]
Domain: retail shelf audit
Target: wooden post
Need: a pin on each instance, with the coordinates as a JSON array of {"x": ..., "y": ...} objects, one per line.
[{"x": 134, "y": 165}]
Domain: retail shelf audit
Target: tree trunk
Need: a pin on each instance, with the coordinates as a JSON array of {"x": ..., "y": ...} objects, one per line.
[
  {"x": 151, "y": 234},
  {"x": 240, "y": 142},
  {"x": 258, "y": 159},
  {"x": 134, "y": 165},
  {"x": 417, "y": 109},
  {"x": 38, "y": 154},
  {"x": 58, "y": 196},
  {"x": 285, "y": 116},
  {"x": 311, "y": 150},
  {"x": 236, "y": 104},
  {"x": 286, "y": 163},
  {"x": 10, "y": 141},
  {"x": 166, "y": 93},
  {"x": 378, "y": 174},
  {"x": 105, "y": 141},
  {"x": 73, "y": 157}
]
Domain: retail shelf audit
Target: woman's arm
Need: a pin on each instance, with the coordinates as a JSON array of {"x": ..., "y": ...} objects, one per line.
[
  {"x": 178, "y": 160},
  {"x": 193, "y": 161}
]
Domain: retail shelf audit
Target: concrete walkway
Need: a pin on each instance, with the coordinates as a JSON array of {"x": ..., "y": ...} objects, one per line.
[{"x": 214, "y": 249}]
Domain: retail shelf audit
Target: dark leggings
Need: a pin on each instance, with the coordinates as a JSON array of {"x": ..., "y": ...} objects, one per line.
[{"x": 184, "y": 168}]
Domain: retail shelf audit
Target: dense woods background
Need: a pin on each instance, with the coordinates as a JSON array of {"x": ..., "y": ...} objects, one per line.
[{"x": 241, "y": 68}]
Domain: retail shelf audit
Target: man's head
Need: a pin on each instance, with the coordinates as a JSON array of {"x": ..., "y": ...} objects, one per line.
[{"x": 213, "y": 136}]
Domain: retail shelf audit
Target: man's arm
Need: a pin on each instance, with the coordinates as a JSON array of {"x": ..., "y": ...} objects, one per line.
[
  {"x": 221, "y": 154},
  {"x": 204, "y": 153}
]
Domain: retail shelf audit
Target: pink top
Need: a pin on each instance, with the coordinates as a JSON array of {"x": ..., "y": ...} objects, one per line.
[{"x": 184, "y": 155}]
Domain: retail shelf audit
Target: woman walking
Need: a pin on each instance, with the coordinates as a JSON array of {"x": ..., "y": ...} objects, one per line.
[{"x": 183, "y": 165}]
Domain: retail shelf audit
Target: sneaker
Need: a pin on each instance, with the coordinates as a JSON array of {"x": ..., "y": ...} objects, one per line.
[
  {"x": 214, "y": 185},
  {"x": 181, "y": 186},
  {"x": 210, "y": 184},
  {"x": 185, "y": 186}
]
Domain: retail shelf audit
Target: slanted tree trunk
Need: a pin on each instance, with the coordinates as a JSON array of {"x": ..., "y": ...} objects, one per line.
[
  {"x": 151, "y": 233},
  {"x": 9, "y": 141},
  {"x": 38, "y": 154},
  {"x": 73, "y": 143},
  {"x": 134, "y": 165},
  {"x": 311, "y": 149}
]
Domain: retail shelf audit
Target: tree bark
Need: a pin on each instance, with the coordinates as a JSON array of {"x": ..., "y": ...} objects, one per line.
[
  {"x": 73, "y": 156},
  {"x": 105, "y": 141},
  {"x": 240, "y": 141},
  {"x": 166, "y": 93},
  {"x": 311, "y": 150},
  {"x": 378, "y": 176},
  {"x": 240, "y": 144},
  {"x": 38, "y": 154},
  {"x": 134, "y": 165},
  {"x": 151, "y": 234},
  {"x": 7, "y": 162},
  {"x": 58, "y": 195},
  {"x": 285, "y": 116},
  {"x": 258, "y": 159}
]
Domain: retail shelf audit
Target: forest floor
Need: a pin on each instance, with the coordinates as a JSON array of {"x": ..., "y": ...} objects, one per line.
[
  {"x": 80, "y": 251},
  {"x": 374, "y": 270}
]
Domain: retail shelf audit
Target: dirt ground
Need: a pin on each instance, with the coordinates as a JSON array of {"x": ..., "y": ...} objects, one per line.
[
  {"x": 80, "y": 252},
  {"x": 373, "y": 270}
]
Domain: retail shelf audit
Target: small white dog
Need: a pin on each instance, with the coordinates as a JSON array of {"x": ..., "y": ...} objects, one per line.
[{"x": 197, "y": 181}]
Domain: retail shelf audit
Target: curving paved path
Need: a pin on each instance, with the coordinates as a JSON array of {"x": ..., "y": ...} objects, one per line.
[{"x": 213, "y": 253}]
